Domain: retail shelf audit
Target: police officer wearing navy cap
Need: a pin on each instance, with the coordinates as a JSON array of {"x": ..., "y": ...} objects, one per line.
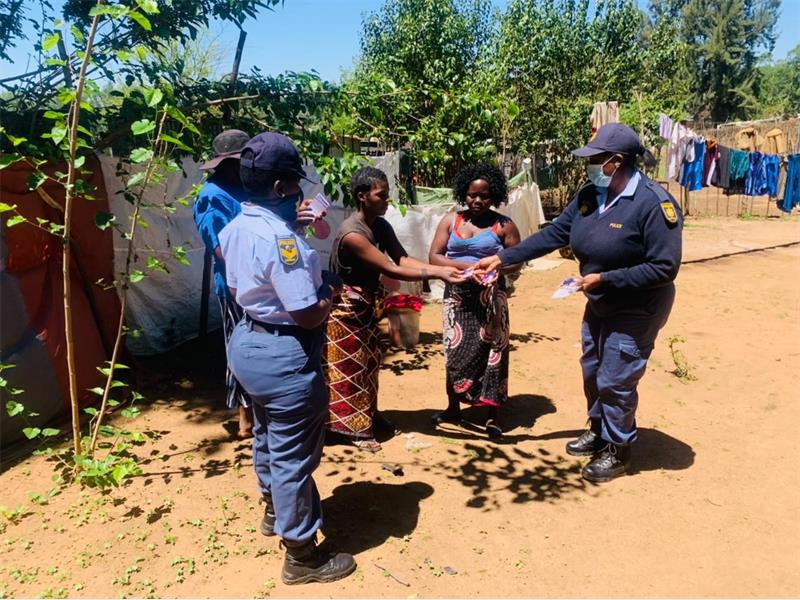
[
  {"x": 625, "y": 231},
  {"x": 276, "y": 351}
]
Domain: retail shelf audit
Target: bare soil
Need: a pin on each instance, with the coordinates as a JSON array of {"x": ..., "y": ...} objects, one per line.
[{"x": 711, "y": 508}]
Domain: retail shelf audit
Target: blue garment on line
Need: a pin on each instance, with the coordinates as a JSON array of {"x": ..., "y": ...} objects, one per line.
[
  {"x": 772, "y": 166},
  {"x": 755, "y": 184},
  {"x": 791, "y": 195},
  {"x": 692, "y": 174}
]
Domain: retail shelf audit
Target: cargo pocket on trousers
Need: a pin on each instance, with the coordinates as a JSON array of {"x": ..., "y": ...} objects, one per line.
[{"x": 629, "y": 352}]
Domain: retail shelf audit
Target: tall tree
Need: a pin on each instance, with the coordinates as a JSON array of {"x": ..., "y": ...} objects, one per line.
[
  {"x": 438, "y": 42},
  {"x": 725, "y": 40}
]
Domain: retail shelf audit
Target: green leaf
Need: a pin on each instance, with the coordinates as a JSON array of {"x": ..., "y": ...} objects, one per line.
[
  {"x": 153, "y": 97},
  {"x": 91, "y": 411},
  {"x": 31, "y": 432},
  {"x": 142, "y": 126},
  {"x": 35, "y": 180},
  {"x": 79, "y": 161},
  {"x": 16, "y": 141},
  {"x": 140, "y": 155},
  {"x": 6, "y": 207},
  {"x": 55, "y": 62},
  {"x": 14, "y": 408},
  {"x": 9, "y": 159},
  {"x": 143, "y": 21},
  {"x": 50, "y": 432},
  {"x": 51, "y": 114},
  {"x": 131, "y": 412},
  {"x": 136, "y": 276},
  {"x": 148, "y": 6},
  {"x": 176, "y": 114},
  {"x": 58, "y": 133},
  {"x": 97, "y": 390},
  {"x": 50, "y": 41},
  {"x": 136, "y": 179},
  {"x": 77, "y": 34},
  {"x": 15, "y": 220},
  {"x": 103, "y": 220},
  {"x": 175, "y": 142}
]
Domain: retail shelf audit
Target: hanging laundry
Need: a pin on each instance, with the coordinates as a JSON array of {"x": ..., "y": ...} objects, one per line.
[
  {"x": 772, "y": 166},
  {"x": 721, "y": 177},
  {"x": 692, "y": 175},
  {"x": 755, "y": 183},
  {"x": 664, "y": 126},
  {"x": 739, "y": 166},
  {"x": 710, "y": 161},
  {"x": 791, "y": 197},
  {"x": 748, "y": 139},
  {"x": 602, "y": 113},
  {"x": 782, "y": 178},
  {"x": 775, "y": 141},
  {"x": 678, "y": 143}
]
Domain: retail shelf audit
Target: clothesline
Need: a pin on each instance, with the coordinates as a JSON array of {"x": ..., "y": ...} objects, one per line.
[{"x": 696, "y": 162}]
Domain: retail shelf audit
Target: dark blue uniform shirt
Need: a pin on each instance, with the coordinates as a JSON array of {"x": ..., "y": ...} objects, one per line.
[{"x": 635, "y": 244}]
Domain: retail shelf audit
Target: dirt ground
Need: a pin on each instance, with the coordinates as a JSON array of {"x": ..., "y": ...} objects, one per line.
[{"x": 711, "y": 508}]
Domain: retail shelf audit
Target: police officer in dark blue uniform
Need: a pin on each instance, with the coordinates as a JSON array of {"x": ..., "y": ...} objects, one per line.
[
  {"x": 276, "y": 351},
  {"x": 625, "y": 231}
]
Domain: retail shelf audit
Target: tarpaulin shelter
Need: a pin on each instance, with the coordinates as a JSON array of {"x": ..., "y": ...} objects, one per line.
[{"x": 32, "y": 332}]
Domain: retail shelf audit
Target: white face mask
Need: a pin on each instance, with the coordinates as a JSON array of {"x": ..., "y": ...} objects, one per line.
[{"x": 596, "y": 175}]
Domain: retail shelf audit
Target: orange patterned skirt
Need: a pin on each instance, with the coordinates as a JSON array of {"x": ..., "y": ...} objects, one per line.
[{"x": 351, "y": 361}]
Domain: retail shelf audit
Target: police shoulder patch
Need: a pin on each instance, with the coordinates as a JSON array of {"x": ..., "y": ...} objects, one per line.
[
  {"x": 288, "y": 251},
  {"x": 668, "y": 208}
]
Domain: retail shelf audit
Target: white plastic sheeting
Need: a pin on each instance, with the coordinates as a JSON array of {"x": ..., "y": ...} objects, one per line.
[{"x": 164, "y": 307}]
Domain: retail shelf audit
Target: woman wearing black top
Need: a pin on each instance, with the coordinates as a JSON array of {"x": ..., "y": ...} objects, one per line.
[{"x": 352, "y": 352}]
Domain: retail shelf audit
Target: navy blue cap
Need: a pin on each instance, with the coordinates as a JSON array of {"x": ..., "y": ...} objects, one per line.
[
  {"x": 615, "y": 138},
  {"x": 273, "y": 152}
]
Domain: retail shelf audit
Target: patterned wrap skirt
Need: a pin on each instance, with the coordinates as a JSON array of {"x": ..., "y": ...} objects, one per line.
[
  {"x": 232, "y": 313},
  {"x": 476, "y": 333},
  {"x": 351, "y": 361}
]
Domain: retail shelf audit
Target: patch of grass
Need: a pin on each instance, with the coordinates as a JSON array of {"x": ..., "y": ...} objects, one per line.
[{"x": 683, "y": 371}]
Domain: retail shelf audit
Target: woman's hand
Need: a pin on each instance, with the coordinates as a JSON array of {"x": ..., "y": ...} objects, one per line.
[
  {"x": 449, "y": 274},
  {"x": 487, "y": 265},
  {"x": 487, "y": 270},
  {"x": 589, "y": 282}
]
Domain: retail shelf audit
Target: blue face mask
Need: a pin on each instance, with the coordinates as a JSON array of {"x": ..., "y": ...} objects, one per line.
[
  {"x": 596, "y": 175},
  {"x": 286, "y": 207}
]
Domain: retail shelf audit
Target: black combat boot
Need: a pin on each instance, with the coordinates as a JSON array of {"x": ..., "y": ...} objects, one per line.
[
  {"x": 612, "y": 461},
  {"x": 588, "y": 444},
  {"x": 268, "y": 522},
  {"x": 306, "y": 563}
]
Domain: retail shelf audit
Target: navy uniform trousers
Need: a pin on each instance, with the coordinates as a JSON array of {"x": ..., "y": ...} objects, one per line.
[
  {"x": 283, "y": 375},
  {"x": 615, "y": 353}
]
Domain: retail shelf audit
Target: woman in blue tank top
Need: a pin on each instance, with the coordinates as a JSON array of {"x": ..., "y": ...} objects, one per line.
[{"x": 476, "y": 327}]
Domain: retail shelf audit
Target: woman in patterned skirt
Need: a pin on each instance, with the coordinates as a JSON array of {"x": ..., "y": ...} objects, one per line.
[
  {"x": 476, "y": 327},
  {"x": 352, "y": 354}
]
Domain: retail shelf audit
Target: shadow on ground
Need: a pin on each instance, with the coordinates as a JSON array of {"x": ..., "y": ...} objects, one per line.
[
  {"x": 375, "y": 524},
  {"x": 520, "y": 412}
]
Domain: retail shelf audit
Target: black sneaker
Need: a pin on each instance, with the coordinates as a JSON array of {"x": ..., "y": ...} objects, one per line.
[
  {"x": 609, "y": 463},
  {"x": 268, "y": 520},
  {"x": 588, "y": 444},
  {"x": 308, "y": 564}
]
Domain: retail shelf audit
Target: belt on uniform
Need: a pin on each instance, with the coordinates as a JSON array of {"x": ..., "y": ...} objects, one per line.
[{"x": 275, "y": 329}]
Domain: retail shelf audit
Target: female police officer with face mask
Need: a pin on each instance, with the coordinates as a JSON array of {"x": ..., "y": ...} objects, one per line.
[
  {"x": 276, "y": 351},
  {"x": 625, "y": 231}
]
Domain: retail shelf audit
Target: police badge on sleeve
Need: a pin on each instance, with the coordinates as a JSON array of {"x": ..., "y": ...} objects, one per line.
[
  {"x": 288, "y": 251},
  {"x": 669, "y": 212}
]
